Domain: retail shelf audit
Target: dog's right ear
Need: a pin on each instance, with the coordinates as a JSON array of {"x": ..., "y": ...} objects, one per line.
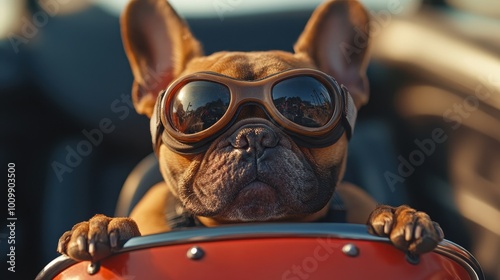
[{"x": 158, "y": 44}]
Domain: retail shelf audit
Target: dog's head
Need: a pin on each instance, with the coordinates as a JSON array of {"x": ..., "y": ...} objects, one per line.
[{"x": 245, "y": 136}]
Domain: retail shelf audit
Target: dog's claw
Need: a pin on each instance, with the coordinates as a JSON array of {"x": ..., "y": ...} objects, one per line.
[
  {"x": 92, "y": 249},
  {"x": 409, "y": 232},
  {"x": 387, "y": 226},
  {"x": 418, "y": 232},
  {"x": 97, "y": 238},
  {"x": 82, "y": 244},
  {"x": 61, "y": 245},
  {"x": 408, "y": 229},
  {"x": 113, "y": 239}
]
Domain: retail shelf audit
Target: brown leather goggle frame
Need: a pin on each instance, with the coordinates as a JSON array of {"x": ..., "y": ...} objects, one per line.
[{"x": 257, "y": 92}]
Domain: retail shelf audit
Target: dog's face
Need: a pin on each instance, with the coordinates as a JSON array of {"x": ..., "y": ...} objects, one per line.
[{"x": 253, "y": 171}]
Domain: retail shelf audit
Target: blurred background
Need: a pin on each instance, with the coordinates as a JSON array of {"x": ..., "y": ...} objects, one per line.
[{"x": 430, "y": 136}]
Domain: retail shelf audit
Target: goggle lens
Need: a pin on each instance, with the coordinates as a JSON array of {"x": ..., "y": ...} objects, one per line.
[
  {"x": 310, "y": 106},
  {"x": 304, "y": 101},
  {"x": 198, "y": 105}
]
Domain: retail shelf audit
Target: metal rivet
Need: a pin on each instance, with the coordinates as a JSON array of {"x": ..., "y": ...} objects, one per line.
[
  {"x": 195, "y": 253},
  {"x": 93, "y": 268},
  {"x": 411, "y": 258},
  {"x": 350, "y": 250}
]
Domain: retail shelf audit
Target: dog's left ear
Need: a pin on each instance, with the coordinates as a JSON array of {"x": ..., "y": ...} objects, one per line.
[
  {"x": 158, "y": 44},
  {"x": 336, "y": 39}
]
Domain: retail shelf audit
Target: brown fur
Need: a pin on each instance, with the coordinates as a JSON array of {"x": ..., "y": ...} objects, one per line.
[{"x": 298, "y": 182}]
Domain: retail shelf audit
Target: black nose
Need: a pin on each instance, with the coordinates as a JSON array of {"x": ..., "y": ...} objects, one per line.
[{"x": 254, "y": 138}]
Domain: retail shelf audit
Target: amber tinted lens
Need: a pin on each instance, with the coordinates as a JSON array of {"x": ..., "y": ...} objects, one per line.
[
  {"x": 198, "y": 105},
  {"x": 303, "y": 100}
]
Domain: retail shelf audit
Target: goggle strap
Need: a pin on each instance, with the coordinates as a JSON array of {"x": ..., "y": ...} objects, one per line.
[
  {"x": 155, "y": 125},
  {"x": 350, "y": 112},
  {"x": 186, "y": 149}
]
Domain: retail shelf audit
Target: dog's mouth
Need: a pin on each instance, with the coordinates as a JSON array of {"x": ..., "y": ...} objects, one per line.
[
  {"x": 254, "y": 173},
  {"x": 257, "y": 189},
  {"x": 256, "y": 201},
  {"x": 251, "y": 191}
]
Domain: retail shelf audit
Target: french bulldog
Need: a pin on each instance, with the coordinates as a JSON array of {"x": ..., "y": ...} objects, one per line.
[{"x": 234, "y": 144}]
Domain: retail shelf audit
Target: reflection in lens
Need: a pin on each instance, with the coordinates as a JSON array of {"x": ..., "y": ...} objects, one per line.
[
  {"x": 303, "y": 100},
  {"x": 198, "y": 105}
]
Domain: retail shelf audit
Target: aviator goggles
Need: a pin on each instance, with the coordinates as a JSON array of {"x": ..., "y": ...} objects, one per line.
[{"x": 309, "y": 105}]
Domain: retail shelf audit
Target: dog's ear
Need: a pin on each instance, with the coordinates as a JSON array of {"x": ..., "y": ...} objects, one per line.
[
  {"x": 158, "y": 44},
  {"x": 336, "y": 38}
]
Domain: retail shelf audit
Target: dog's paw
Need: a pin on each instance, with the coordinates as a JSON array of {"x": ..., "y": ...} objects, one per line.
[
  {"x": 408, "y": 229},
  {"x": 97, "y": 238}
]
